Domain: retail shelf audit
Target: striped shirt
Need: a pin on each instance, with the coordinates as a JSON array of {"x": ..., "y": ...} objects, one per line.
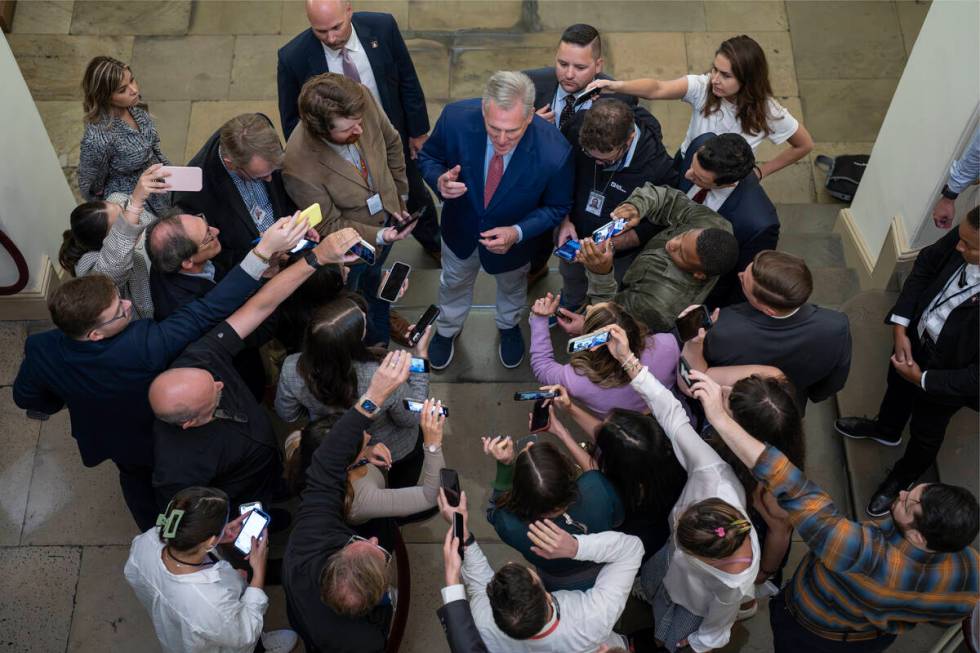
[
  {"x": 256, "y": 200},
  {"x": 861, "y": 577}
]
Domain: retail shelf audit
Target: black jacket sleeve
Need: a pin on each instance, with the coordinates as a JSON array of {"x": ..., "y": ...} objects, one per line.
[
  {"x": 461, "y": 631},
  {"x": 835, "y": 380},
  {"x": 928, "y": 264},
  {"x": 289, "y": 88}
]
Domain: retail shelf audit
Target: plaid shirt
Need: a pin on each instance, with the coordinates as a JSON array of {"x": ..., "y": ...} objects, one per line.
[{"x": 864, "y": 577}]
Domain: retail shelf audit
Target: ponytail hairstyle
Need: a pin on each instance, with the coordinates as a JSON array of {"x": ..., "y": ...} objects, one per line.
[
  {"x": 712, "y": 529},
  {"x": 89, "y": 224},
  {"x": 752, "y": 72},
  {"x": 192, "y": 516}
]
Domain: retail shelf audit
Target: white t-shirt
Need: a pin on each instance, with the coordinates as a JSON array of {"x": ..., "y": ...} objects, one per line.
[{"x": 782, "y": 125}]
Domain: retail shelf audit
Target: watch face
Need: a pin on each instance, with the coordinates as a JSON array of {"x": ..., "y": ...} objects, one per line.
[{"x": 369, "y": 406}]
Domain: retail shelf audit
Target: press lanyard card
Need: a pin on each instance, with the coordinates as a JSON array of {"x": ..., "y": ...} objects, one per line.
[
  {"x": 258, "y": 214},
  {"x": 374, "y": 203},
  {"x": 594, "y": 205}
]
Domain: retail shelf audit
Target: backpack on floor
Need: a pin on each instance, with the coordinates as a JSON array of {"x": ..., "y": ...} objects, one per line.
[{"x": 843, "y": 174}]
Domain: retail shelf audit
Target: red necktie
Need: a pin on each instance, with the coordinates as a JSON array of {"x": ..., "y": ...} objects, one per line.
[
  {"x": 700, "y": 195},
  {"x": 494, "y": 173}
]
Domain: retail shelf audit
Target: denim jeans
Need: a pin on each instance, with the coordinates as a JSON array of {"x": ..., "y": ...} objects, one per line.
[{"x": 365, "y": 279}]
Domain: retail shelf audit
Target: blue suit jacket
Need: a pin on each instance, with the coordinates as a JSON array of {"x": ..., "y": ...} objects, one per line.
[
  {"x": 398, "y": 84},
  {"x": 535, "y": 192},
  {"x": 754, "y": 223},
  {"x": 104, "y": 384}
]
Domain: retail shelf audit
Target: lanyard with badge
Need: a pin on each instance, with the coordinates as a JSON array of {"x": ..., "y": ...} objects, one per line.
[
  {"x": 596, "y": 198},
  {"x": 374, "y": 202}
]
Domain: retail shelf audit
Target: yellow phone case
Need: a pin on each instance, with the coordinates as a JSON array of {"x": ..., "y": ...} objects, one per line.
[{"x": 312, "y": 214}]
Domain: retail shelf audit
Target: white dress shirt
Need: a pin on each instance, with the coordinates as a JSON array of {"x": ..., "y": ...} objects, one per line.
[
  {"x": 704, "y": 590},
  {"x": 587, "y": 617},
  {"x": 205, "y": 611},
  {"x": 715, "y": 197},
  {"x": 335, "y": 63}
]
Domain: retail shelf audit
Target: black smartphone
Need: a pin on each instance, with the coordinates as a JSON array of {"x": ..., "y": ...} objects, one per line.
[
  {"x": 416, "y": 406},
  {"x": 458, "y": 532},
  {"x": 687, "y": 326},
  {"x": 540, "y": 419},
  {"x": 427, "y": 318},
  {"x": 393, "y": 284},
  {"x": 449, "y": 482},
  {"x": 685, "y": 369},
  {"x": 412, "y": 219},
  {"x": 419, "y": 365},
  {"x": 585, "y": 97},
  {"x": 534, "y": 395}
]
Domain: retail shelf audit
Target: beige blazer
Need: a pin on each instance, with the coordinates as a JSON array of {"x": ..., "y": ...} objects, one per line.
[{"x": 314, "y": 172}]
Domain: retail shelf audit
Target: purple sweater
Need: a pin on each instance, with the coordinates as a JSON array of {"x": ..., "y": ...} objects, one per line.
[{"x": 660, "y": 355}]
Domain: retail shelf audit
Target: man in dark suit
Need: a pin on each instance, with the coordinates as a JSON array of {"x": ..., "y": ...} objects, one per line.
[
  {"x": 505, "y": 176},
  {"x": 933, "y": 372},
  {"x": 719, "y": 172},
  {"x": 455, "y": 614},
  {"x": 242, "y": 193},
  {"x": 368, "y": 48}
]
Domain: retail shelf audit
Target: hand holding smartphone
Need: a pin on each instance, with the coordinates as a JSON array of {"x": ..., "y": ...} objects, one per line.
[
  {"x": 588, "y": 341},
  {"x": 449, "y": 482},
  {"x": 312, "y": 214},
  {"x": 364, "y": 251},
  {"x": 392, "y": 285},
  {"x": 696, "y": 319},
  {"x": 458, "y": 529},
  {"x": 534, "y": 395},
  {"x": 540, "y": 416},
  {"x": 416, "y": 406},
  {"x": 187, "y": 178},
  {"x": 254, "y": 525},
  {"x": 685, "y": 369},
  {"x": 412, "y": 219},
  {"x": 427, "y": 318}
]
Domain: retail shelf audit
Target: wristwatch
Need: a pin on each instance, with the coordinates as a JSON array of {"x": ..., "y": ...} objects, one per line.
[
  {"x": 433, "y": 448},
  {"x": 311, "y": 259},
  {"x": 368, "y": 406},
  {"x": 948, "y": 194}
]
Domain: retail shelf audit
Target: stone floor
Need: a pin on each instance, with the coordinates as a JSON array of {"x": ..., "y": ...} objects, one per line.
[{"x": 64, "y": 531}]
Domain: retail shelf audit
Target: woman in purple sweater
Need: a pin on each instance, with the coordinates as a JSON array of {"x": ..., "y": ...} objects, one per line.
[{"x": 594, "y": 378}]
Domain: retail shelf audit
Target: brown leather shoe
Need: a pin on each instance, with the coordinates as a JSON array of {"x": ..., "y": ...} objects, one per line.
[
  {"x": 399, "y": 328},
  {"x": 537, "y": 275}
]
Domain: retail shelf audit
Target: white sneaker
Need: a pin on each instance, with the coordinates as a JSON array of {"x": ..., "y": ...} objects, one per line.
[{"x": 279, "y": 641}]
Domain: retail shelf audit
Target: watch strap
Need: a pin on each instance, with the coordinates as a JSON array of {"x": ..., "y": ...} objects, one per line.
[
  {"x": 311, "y": 259},
  {"x": 948, "y": 194}
]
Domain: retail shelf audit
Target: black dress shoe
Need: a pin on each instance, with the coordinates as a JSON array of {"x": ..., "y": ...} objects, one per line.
[
  {"x": 883, "y": 498},
  {"x": 862, "y": 428}
]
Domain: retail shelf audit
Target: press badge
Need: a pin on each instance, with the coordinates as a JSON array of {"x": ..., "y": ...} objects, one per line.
[
  {"x": 594, "y": 205},
  {"x": 374, "y": 203},
  {"x": 258, "y": 214}
]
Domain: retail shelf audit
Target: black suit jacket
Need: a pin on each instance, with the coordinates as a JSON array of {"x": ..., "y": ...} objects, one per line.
[
  {"x": 754, "y": 223},
  {"x": 220, "y": 201},
  {"x": 398, "y": 84},
  {"x": 952, "y": 377},
  {"x": 546, "y": 85},
  {"x": 461, "y": 631},
  {"x": 171, "y": 290}
]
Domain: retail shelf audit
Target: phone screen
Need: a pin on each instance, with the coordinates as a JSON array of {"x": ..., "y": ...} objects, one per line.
[
  {"x": 302, "y": 246},
  {"x": 449, "y": 482},
  {"x": 685, "y": 370},
  {"x": 534, "y": 395},
  {"x": 362, "y": 250},
  {"x": 393, "y": 284},
  {"x": 540, "y": 416},
  {"x": 687, "y": 326},
  {"x": 608, "y": 230},
  {"x": 568, "y": 250},
  {"x": 416, "y": 406},
  {"x": 245, "y": 507},
  {"x": 254, "y": 524},
  {"x": 458, "y": 531},
  {"x": 418, "y": 365},
  {"x": 588, "y": 341},
  {"x": 427, "y": 318},
  {"x": 402, "y": 226}
]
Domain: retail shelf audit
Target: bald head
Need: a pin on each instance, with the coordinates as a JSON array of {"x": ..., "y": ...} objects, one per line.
[
  {"x": 330, "y": 20},
  {"x": 185, "y": 396}
]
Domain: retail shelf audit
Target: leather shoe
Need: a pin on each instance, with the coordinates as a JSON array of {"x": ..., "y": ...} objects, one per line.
[
  {"x": 399, "y": 328},
  {"x": 862, "y": 428},
  {"x": 883, "y": 498}
]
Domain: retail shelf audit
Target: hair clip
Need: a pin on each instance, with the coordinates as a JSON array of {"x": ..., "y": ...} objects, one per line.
[
  {"x": 720, "y": 531},
  {"x": 743, "y": 525},
  {"x": 169, "y": 523}
]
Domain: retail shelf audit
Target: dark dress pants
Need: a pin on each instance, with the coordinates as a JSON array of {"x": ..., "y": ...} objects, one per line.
[
  {"x": 365, "y": 279},
  {"x": 427, "y": 229},
  {"x": 137, "y": 487}
]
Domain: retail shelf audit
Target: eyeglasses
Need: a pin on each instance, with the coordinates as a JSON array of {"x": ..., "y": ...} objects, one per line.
[
  {"x": 618, "y": 154},
  {"x": 358, "y": 538},
  {"x": 121, "y": 313},
  {"x": 208, "y": 234}
]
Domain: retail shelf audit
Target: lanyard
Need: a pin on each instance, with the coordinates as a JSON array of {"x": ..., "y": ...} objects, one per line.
[
  {"x": 361, "y": 166},
  {"x": 960, "y": 272}
]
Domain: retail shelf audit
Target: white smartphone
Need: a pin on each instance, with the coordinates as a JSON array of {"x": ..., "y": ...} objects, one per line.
[
  {"x": 588, "y": 341},
  {"x": 246, "y": 507},
  {"x": 254, "y": 524},
  {"x": 363, "y": 250},
  {"x": 183, "y": 178}
]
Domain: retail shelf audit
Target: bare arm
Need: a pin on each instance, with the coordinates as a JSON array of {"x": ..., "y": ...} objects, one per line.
[
  {"x": 800, "y": 144},
  {"x": 650, "y": 89},
  {"x": 578, "y": 454}
]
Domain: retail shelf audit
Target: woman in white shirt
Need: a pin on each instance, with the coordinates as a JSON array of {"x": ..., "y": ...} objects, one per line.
[
  {"x": 697, "y": 581},
  {"x": 735, "y": 97},
  {"x": 198, "y": 602}
]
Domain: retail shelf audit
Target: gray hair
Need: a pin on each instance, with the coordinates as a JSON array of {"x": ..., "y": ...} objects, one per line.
[{"x": 508, "y": 87}]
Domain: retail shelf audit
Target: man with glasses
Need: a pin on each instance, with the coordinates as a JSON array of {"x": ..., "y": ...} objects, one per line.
[
  {"x": 99, "y": 364},
  {"x": 242, "y": 192}
]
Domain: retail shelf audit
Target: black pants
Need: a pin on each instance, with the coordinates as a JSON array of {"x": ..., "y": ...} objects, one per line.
[
  {"x": 903, "y": 402},
  {"x": 427, "y": 229},
  {"x": 788, "y": 636},
  {"x": 137, "y": 488},
  {"x": 406, "y": 472}
]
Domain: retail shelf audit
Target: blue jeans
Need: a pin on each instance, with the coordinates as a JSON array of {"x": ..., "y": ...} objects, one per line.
[{"x": 365, "y": 279}]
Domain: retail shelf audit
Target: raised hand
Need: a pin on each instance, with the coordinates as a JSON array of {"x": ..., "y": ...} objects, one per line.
[
  {"x": 281, "y": 236},
  {"x": 546, "y": 306},
  {"x": 500, "y": 447},
  {"x": 448, "y": 185}
]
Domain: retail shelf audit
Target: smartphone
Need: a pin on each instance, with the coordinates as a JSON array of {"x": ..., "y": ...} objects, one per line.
[
  {"x": 427, "y": 318},
  {"x": 588, "y": 341},
  {"x": 685, "y": 370},
  {"x": 254, "y": 524},
  {"x": 534, "y": 395},
  {"x": 412, "y": 219},
  {"x": 540, "y": 419},
  {"x": 302, "y": 246},
  {"x": 419, "y": 365},
  {"x": 245, "y": 507},
  {"x": 416, "y": 406},
  {"x": 363, "y": 250},
  {"x": 585, "y": 97},
  {"x": 608, "y": 230},
  {"x": 458, "y": 532},
  {"x": 393, "y": 284},
  {"x": 449, "y": 482},
  {"x": 312, "y": 214},
  {"x": 182, "y": 178},
  {"x": 568, "y": 250},
  {"x": 687, "y": 326}
]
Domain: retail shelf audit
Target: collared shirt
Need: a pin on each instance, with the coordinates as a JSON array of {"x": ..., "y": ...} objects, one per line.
[
  {"x": 966, "y": 170},
  {"x": 628, "y": 159},
  {"x": 254, "y": 196},
  {"x": 352, "y": 155},
  {"x": 561, "y": 95},
  {"x": 487, "y": 157},
  {"x": 206, "y": 273},
  {"x": 210, "y": 610},
  {"x": 861, "y": 577},
  {"x": 335, "y": 63},
  {"x": 715, "y": 197}
]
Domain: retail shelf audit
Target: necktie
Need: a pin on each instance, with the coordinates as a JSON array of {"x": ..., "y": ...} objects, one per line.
[
  {"x": 494, "y": 173},
  {"x": 700, "y": 195},
  {"x": 567, "y": 111},
  {"x": 350, "y": 70}
]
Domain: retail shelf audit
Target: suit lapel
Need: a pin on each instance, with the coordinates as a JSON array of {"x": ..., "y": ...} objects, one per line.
[
  {"x": 366, "y": 36},
  {"x": 316, "y": 59},
  {"x": 520, "y": 165}
]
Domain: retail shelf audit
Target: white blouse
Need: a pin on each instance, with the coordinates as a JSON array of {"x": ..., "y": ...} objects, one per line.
[
  {"x": 704, "y": 590},
  {"x": 781, "y": 124},
  {"x": 205, "y": 611}
]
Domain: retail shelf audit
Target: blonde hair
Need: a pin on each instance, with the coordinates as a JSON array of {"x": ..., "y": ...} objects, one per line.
[
  {"x": 351, "y": 585},
  {"x": 102, "y": 77},
  {"x": 248, "y": 135}
]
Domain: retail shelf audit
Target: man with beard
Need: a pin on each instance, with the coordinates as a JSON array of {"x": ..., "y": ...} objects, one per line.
[{"x": 345, "y": 155}]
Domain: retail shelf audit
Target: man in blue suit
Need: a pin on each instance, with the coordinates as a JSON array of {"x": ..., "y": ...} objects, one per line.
[
  {"x": 505, "y": 175},
  {"x": 719, "y": 172},
  {"x": 368, "y": 48}
]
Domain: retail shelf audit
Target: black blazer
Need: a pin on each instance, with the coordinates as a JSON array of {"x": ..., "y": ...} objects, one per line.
[
  {"x": 219, "y": 200},
  {"x": 461, "y": 632},
  {"x": 546, "y": 85},
  {"x": 398, "y": 84},
  {"x": 171, "y": 290},
  {"x": 952, "y": 377},
  {"x": 755, "y": 224}
]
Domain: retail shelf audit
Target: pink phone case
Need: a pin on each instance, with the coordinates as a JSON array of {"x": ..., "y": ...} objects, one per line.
[{"x": 183, "y": 178}]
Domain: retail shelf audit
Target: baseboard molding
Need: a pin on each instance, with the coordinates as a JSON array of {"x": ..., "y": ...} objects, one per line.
[
  {"x": 31, "y": 304},
  {"x": 874, "y": 270}
]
